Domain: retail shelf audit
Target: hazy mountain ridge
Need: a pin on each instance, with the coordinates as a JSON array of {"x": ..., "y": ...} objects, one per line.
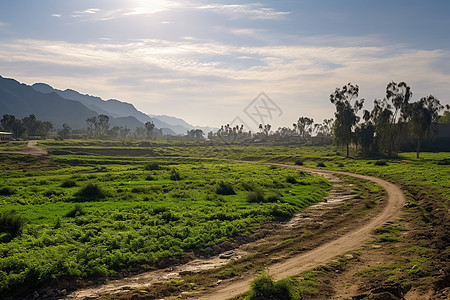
[
  {"x": 180, "y": 123},
  {"x": 21, "y": 100},
  {"x": 119, "y": 109}
]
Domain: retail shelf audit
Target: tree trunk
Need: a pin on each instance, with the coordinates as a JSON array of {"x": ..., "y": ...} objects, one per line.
[
  {"x": 418, "y": 147},
  {"x": 348, "y": 149}
]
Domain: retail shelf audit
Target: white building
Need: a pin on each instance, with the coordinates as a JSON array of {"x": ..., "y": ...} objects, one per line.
[{"x": 5, "y": 136}]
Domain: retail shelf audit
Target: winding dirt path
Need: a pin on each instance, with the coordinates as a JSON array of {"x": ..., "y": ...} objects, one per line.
[
  {"x": 32, "y": 148},
  {"x": 292, "y": 266},
  {"x": 324, "y": 253}
]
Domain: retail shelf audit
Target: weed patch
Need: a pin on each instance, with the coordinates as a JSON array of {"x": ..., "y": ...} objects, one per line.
[{"x": 90, "y": 192}]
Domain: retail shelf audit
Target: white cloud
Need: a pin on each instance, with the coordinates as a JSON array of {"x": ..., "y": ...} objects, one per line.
[
  {"x": 3, "y": 24},
  {"x": 56, "y": 15},
  {"x": 254, "y": 11},
  {"x": 148, "y": 8},
  {"x": 251, "y": 11}
]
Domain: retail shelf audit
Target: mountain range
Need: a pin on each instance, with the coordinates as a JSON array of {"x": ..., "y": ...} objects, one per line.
[{"x": 73, "y": 108}]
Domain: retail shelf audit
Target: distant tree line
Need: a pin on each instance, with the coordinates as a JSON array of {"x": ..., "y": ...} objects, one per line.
[
  {"x": 26, "y": 127},
  {"x": 380, "y": 130},
  {"x": 302, "y": 130},
  {"x": 99, "y": 127}
]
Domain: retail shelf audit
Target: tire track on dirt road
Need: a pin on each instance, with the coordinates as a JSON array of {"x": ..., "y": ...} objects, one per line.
[{"x": 326, "y": 252}]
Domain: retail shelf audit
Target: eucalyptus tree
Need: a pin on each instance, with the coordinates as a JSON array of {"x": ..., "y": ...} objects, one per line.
[
  {"x": 390, "y": 115},
  {"x": 423, "y": 119},
  {"x": 149, "y": 127},
  {"x": 346, "y": 113},
  {"x": 304, "y": 126}
]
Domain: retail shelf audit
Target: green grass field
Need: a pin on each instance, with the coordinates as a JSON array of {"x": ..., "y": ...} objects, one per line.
[
  {"x": 95, "y": 216},
  {"x": 99, "y": 208}
]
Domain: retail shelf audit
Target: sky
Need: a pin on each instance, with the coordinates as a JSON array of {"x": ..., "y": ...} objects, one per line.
[{"x": 209, "y": 62}]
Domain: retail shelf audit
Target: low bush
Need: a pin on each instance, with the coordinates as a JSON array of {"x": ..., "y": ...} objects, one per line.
[
  {"x": 174, "y": 175},
  {"x": 51, "y": 192},
  {"x": 380, "y": 162},
  {"x": 7, "y": 191},
  {"x": 224, "y": 188},
  {"x": 255, "y": 196},
  {"x": 169, "y": 216},
  {"x": 298, "y": 162},
  {"x": 273, "y": 197},
  {"x": 321, "y": 165},
  {"x": 291, "y": 179},
  {"x": 11, "y": 224},
  {"x": 152, "y": 167},
  {"x": 76, "y": 211},
  {"x": 68, "y": 184},
  {"x": 264, "y": 287},
  {"x": 90, "y": 192},
  {"x": 282, "y": 211}
]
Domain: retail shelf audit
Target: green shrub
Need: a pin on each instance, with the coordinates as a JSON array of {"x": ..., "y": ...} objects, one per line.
[
  {"x": 152, "y": 167},
  {"x": 291, "y": 179},
  {"x": 282, "y": 211},
  {"x": 255, "y": 196},
  {"x": 68, "y": 184},
  {"x": 90, "y": 192},
  {"x": 169, "y": 216},
  {"x": 321, "y": 165},
  {"x": 264, "y": 287},
  {"x": 175, "y": 176},
  {"x": 380, "y": 162},
  {"x": 230, "y": 273},
  {"x": 273, "y": 197},
  {"x": 298, "y": 162},
  {"x": 150, "y": 178},
  {"x": 224, "y": 188},
  {"x": 76, "y": 211},
  {"x": 7, "y": 191},
  {"x": 11, "y": 224},
  {"x": 50, "y": 193}
]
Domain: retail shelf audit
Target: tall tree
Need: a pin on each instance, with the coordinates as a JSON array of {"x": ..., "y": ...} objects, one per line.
[
  {"x": 364, "y": 134},
  {"x": 304, "y": 126},
  {"x": 66, "y": 131},
  {"x": 91, "y": 125},
  {"x": 149, "y": 127},
  {"x": 195, "y": 133},
  {"x": 345, "y": 114},
  {"x": 424, "y": 116},
  {"x": 389, "y": 117},
  {"x": 32, "y": 124},
  {"x": 102, "y": 125}
]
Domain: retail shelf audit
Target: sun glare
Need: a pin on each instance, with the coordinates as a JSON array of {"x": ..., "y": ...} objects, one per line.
[{"x": 149, "y": 7}]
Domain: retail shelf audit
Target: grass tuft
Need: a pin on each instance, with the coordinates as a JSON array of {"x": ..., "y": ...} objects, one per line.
[{"x": 90, "y": 192}]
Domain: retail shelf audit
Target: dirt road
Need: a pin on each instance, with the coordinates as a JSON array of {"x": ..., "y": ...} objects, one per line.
[
  {"x": 292, "y": 266},
  {"x": 32, "y": 148},
  {"x": 324, "y": 253}
]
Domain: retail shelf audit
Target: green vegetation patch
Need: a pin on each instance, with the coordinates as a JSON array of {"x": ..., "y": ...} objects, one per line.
[
  {"x": 292, "y": 288},
  {"x": 108, "y": 215}
]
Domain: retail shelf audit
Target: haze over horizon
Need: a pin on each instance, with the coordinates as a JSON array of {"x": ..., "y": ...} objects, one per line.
[{"x": 207, "y": 62}]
